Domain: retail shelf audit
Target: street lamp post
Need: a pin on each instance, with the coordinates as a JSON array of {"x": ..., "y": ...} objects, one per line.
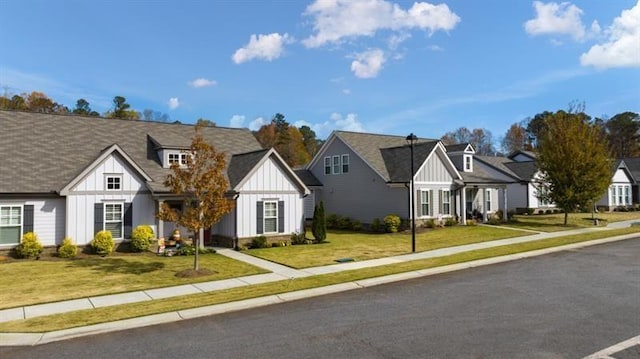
[{"x": 411, "y": 139}]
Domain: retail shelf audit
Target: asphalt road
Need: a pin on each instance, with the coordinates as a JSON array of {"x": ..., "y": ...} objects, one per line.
[{"x": 563, "y": 305}]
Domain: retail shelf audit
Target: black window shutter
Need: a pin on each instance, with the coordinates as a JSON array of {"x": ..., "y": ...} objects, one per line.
[
  {"x": 27, "y": 224},
  {"x": 128, "y": 219},
  {"x": 280, "y": 216},
  {"x": 98, "y": 216},
  {"x": 260, "y": 217}
]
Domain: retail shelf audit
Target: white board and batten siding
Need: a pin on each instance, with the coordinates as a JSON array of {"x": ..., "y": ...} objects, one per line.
[
  {"x": 267, "y": 182},
  {"x": 92, "y": 189},
  {"x": 435, "y": 171}
]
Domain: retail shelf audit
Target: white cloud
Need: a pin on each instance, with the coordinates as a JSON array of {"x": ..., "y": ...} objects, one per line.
[
  {"x": 347, "y": 123},
  {"x": 257, "y": 123},
  {"x": 337, "y": 20},
  {"x": 346, "y": 91},
  {"x": 435, "y": 48},
  {"x": 173, "y": 103},
  {"x": 556, "y": 18},
  {"x": 237, "y": 121},
  {"x": 368, "y": 64},
  {"x": 202, "y": 82},
  {"x": 396, "y": 39},
  {"x": 622, "y": 48},
  {"x": 264, "y": 47}
]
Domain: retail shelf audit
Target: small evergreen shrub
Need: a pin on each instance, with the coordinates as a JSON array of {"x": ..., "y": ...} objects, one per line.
[
  {"x": 103, "y": 243},
  {"x": 67, "y": 249},
  {"x": 141, "y": 238},
  {"x": 430, "y": 223},
  {"x": 30, "y": 246},
  {"x": 298, "y": 238},
  {"x": 319, "y": 224},
  {"x": 548, "y": 211},
  {"x": 530, "y": 211},
  {"x": 332, "y": 221},
  {"x": 450, "y": 222},
  {"x": 259, "y": 242},
  {"x": 376, "y": 225},
  {"x": 356, "y": 225},
  {"x": 392, "y": 223}
]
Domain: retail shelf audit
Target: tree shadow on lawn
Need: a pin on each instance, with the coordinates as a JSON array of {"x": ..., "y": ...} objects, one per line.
[{"x": 117, "y": 265}]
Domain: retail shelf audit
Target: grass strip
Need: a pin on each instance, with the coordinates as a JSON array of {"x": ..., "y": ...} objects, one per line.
[{"x": 126, "y": 311}]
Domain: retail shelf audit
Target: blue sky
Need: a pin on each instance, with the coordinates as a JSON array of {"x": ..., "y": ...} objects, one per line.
[{"x": 378, "y": 66}]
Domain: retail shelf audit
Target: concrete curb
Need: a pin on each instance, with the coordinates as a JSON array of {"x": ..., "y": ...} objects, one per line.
[{"x": 23, "y": 339}]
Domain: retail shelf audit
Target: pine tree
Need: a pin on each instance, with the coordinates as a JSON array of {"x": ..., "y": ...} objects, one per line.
[{"x": 319, "y": 225}]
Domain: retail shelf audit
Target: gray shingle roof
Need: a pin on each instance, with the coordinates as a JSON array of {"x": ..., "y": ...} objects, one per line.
[
  {"x": 368, "y": 146},
  {"x": 241, "y": 164},
  {"x": 459, "y": 147},
  {"x": 397, "y": 160},
  {"x": 307, "y": 177},
  {"x": 43, "y": 152},
  {"x": 523, "y": 171},
  {"x": 633, "y": 165}
]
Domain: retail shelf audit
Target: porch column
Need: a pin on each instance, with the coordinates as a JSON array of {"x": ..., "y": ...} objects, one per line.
[
  {"x": 463, "y": 205},
  {"x": 160, "y": 233},
  {"x": 505, "y": 217},
  {"x": 484, "y": 204}
]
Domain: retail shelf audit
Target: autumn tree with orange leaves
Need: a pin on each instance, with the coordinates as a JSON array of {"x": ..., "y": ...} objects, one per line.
[{"x": 202, "y": 187}]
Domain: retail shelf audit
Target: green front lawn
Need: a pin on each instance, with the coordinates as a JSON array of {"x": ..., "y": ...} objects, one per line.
[
  {"x": 27, "y": 282},
  {"x": 555, "y": 222},
  {"x": 362, "y": 246}
]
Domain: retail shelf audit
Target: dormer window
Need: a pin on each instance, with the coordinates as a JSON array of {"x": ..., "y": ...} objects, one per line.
[
  {"x": 468, "y": 163},
  {"x": 176, "y": 157}
]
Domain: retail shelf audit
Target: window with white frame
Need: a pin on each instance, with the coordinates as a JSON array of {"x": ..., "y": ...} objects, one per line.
[
  {"x": 10, "y": 224},
  {"x": 177, "y": 157},
  {"x": 336, "y": 165},
  {"x": 542, "y": 195},
  {"x": 468, "y": 163},
  {"x": 446, "y": 202},
  {"x": 327, "y": 165},
  {"x": 627, "y": 197},
  {"x": 425, "y": 208},
  {"x": 113, "y": 182},
  {"x": 270, "y": 216},
  {"x": 620, "y": 195},
  {"x": 345, "y": 163},
  {"x": 114, "y": 219},
  {"x": 487, "y": 194}
]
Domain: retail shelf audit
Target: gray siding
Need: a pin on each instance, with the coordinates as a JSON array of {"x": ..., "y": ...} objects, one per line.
[
  {"x": 434, "y": 170},
  {"x": 360, "y": 194}
]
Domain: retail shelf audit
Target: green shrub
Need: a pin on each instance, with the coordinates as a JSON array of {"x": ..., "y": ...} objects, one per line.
[
  {"x": 344, "y": 223},
  {"x": 530, "y": 211},
  {"x": 376, "y": 225},
  {"x": 499, "y": 214},
  {"x": 494, "y": 221},
  {"x": 67, "y": 249},
  {"x": 141, "y": 238},
  {"x": 356, "y": 225},
  {"x": 472, "y": 222},
  {"x": 430, "y": 223},
  {"x": 30, "y": 246},
  {"x": 548, "y": 211},
  {"x": 332, "y": 221},
  {"x": 298, "y": 238},
  {"x": 319, "y": 224},
  {"x": 259, "y": 242},
  {"x": 391, "y": 223},
  {"x": 103, "y": 243},
  {"x": 450, "y": 222}
]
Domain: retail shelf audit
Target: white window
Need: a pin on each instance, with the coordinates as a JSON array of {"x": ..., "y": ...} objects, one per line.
[
  {"x": 327, "y": 165},
  {"x": 270, "y": 217},
  {"x": 468, "y": 163},
  {"x": 345, "y": 163},
  {"x": 336, "y": 165},
  {"x": 10, "y": 224},
  {"x": 177, "y": 157},
  {"x": 627, "y": 198},
  {"x": 113, "y": 182},
  {"x": 425, "y": 208},
  {"x": 114, "y": 219},
  {"x": 612, "y": 195},
  {"x": 487, "y": 193},
  {"x": 446, "y": 202},
  {"x": 620, "y": 195}
]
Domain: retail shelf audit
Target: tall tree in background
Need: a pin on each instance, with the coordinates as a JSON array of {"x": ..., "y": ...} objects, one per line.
[
  {"x": 573, "y": 160},
  {"x": 83, "y": 108},
  {"x": 39, "y": 102},
  {"x": 286, "y": 139},
  {"x": 623, "y": 133},
  {"x": 157, "y": 116},
  {"x": 481, "y": 139},
  {"x": 202, "y": 186},
  {"x": 536, "y": 127},
  {"x": 515, "y": 139},
  {"x": 310, "y": 141},
  {"x": 121, "y": 109}
]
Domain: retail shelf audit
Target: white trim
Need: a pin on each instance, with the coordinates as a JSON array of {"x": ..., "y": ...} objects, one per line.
[
  {"x": 283, "y": 165},
  {"x": 428, "y": 203},
  {"x": 442, "y": 202},
  {"x": 264, "y": 216},
  {"x": 118, "y": 176},
  {"x": 104, "y": 217}
]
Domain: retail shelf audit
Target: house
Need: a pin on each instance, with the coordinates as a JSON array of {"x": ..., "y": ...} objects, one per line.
[
  {"x": 73, "y": 176},
  {"x": 619, "y": 193},
  {"x": 633, "y": 166},
  {"x": 366, "y": 176}
]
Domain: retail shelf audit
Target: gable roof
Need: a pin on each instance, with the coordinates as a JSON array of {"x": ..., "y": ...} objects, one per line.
[
  {"x": 48, "y": 151},
  {"x": 397, "y": 161},
  {"x": 460, "y": 147},
  {"x": 633, "y": 165},
  {"x": 529, "y": 154},
  {"x": 308, "y": 178}
]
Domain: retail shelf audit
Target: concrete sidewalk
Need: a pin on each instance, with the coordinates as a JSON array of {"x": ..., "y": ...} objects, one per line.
[{"x": 280, "y": 272}]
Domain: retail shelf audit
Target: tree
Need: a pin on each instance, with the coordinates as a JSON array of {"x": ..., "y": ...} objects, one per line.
[
  {"x": 309, "y": 139},
  {"x": 121, "y": 110},
  {"x": 83, "y": 108},
  {"x": 623, "y": 133},
  {"x": 319, "y": 223},
  {"x": 39, "y": 102},
  {"x": 205, "y": 123},
  {"x": 573, "y": 161},
  {"x": 157, "y": 116},
  {"x": 536, "y": 127},
  {"x": 481, "y": 139},
  {"x": 286, "y": 139},
  {"x": 515, "y": 139},
  {"x": 202, "y": 186}
]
